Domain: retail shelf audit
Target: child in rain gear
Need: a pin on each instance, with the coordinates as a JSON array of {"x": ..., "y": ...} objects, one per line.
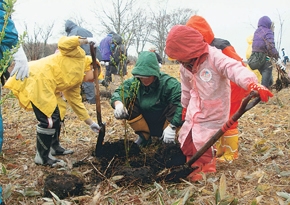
[
  {"x": 205, "y": 74},
  {"x": 151, "y": 101},
  {"x": 227, "y": 146},
  {"x": 62, "y": 72}
]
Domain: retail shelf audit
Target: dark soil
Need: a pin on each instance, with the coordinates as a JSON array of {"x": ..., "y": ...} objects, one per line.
[
  {"x": 63, "y": 185},
  {"x": 141, "y": 166}
]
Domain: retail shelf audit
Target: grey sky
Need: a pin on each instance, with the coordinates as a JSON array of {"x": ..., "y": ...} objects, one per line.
[{"x": 233, "y": 20}]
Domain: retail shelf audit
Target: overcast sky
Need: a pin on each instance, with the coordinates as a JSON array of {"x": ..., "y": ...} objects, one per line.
[{"x": 233, "y": 20}]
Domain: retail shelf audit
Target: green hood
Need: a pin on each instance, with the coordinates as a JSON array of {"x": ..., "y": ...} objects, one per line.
[{"x": 146, "y": 65}]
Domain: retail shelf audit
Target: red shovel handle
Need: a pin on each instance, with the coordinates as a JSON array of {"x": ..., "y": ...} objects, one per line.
[{"x": 245, "y": 106}]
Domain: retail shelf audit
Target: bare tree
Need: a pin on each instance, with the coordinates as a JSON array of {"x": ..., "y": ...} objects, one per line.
[
  {"x": 36, "y": 43},
  {"x": 160, "y": 26},
  {"x": 120, "y": 19},
  {"x": 45, "y": 35},
  {"x": 280, "y": 32},
  {"x": 141, "y": 32},
  {"x": 181, "y": 16}
]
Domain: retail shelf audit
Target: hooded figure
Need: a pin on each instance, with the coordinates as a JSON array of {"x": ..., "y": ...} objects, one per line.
[
  {"x": 74, "y": 30},
  {"x": 151, "y": 101},
  {"x": 106, "y": 47},
  {"x": 205, "y": 74},
  {"x": 227, "y": 146},
  {"x": 264, "y": 42},
  {"x": 62, "y": 72},
  {"x": 114, "y": 53}
]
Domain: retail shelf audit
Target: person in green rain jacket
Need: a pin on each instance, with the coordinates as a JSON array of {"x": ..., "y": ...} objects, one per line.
[
  {"x": 151, "y": 101},
  {"x": 49, "y": 77}
]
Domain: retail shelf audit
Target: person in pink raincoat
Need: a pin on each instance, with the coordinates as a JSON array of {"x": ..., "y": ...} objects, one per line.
[{"x": 205, "y": 74}]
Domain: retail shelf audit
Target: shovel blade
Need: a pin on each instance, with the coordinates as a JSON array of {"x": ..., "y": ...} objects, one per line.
[
  {"x": 177, "y": 173},
  {"x": 101, "y": 137}
]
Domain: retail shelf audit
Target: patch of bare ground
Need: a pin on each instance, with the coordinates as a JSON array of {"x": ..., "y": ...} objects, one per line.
[{"x": 259, "y": 176}]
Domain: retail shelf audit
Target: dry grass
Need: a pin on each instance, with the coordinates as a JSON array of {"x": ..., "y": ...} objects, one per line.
[{"x": 259, "y": 176}]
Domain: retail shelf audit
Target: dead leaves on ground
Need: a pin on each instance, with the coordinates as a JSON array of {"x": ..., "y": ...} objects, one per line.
[{"x": 261, "y": 175}]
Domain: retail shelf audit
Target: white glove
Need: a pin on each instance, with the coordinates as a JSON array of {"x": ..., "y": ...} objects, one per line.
[
  {"x": 92, "y": 40},
  {"x": 160, "y": 65},
  {"x": 280, "y": 64},
  {"x": 169, "y": 134},
  {"x": 95, "y": 127},
  {"x": 120, "y": 111},
  {"x": 102, "y": 63},
  {"x": 107, "y": 63},
  {"x": 21, "y": 65}
]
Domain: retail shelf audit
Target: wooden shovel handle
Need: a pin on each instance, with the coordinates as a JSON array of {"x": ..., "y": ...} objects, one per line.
[{"x": 97, "y": 70}]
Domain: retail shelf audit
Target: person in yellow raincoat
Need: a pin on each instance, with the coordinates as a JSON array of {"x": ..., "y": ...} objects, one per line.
[
  {"x": 62, "y": 72},
  {"x": 248, "y": 54}
]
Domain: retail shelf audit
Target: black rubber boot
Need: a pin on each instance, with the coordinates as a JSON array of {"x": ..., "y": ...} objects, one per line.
[
  {"x": 56, "y": 148},
  {"x": 142, "y": 142},
  {"x": 43, "y": 143}
]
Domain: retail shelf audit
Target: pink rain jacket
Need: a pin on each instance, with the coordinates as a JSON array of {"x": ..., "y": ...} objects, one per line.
[{"x": 206, "y": 89}]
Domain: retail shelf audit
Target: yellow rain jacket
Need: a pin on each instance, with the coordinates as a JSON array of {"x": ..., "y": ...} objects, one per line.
[
  {"x": 62, "y": 72},
  {"x": 248, "y": 54}
]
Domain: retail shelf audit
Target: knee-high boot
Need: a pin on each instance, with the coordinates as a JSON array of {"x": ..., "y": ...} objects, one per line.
[
  {"x": 56, "y": 148},
  {"x": 43, "y": 143},
  {"x": 227, "y": 146},
  {"x": 206, "y": 164}
]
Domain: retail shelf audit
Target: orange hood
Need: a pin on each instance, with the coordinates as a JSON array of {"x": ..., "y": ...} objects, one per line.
[{"x": 200, "y": 24}]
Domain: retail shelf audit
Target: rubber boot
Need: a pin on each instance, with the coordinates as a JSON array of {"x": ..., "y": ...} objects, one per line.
[
  {"x": 206, "y": 164},
  {"x": 230, "y": 147},
  {"x": 219, "y": 147},
  {"x": 196, "y": 174},
  {"x": 139, "y": 125},
  {"x": 227, "y": 146},
  {"x": 43, "y": 143},
  {"x": 56, "y": 148}
]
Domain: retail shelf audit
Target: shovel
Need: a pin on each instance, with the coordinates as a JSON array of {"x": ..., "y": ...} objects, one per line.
[
  {"x": 97, "y": 69},
  {"x": 183, "y": 171}
]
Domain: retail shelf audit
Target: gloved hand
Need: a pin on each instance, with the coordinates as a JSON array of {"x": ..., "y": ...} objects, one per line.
[
  {"x": 262, "y": 90},
  {"x": 21, "y": 65},
  {"x": 160, "y": 65},
  {"x": 120, "y": 111},
  {"x": 281, "y": 65},
  {"x": 92, "y": 40},
  {"x": 169, "y": 134},
  {"x": 102, "y": 63},
  {"x": 183, "y": 114},
  {"x": 95, "y": 127}
]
